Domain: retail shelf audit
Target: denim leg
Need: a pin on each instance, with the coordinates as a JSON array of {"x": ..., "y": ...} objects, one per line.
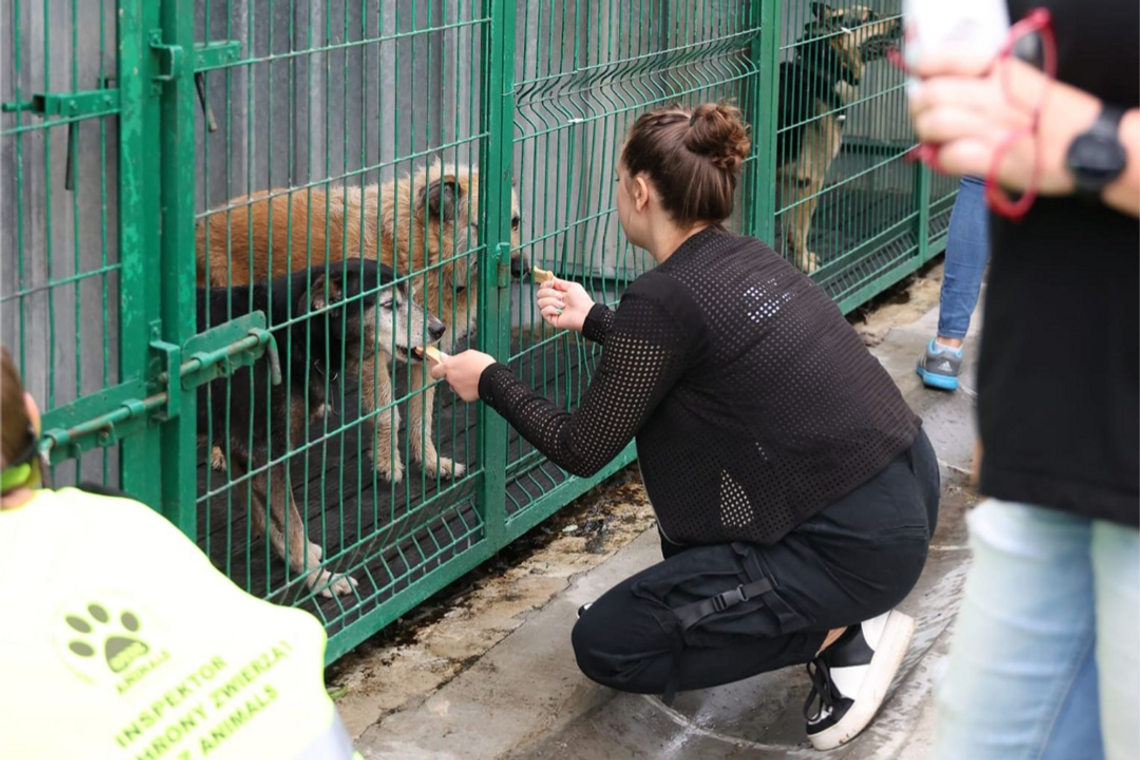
[
  {"x": 1076, "y": 730},
  {"x": 1116, "y": 563},
  {"x": 1020, "y": 682},
  {"x": 967, "y": 248}
]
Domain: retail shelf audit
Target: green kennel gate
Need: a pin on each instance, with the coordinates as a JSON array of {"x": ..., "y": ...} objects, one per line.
[{"x": 128, "y": 125}]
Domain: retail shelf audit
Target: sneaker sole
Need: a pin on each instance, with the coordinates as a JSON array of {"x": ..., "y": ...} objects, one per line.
[
  {"x": 942, "y": 382},
  {"x": 884, "y": 665}
]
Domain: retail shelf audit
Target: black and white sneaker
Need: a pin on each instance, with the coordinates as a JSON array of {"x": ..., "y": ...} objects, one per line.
[{"x": 850, "y": 678}]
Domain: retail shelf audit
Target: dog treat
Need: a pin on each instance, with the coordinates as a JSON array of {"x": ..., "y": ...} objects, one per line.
[
  {"x": 541, "y": 275},
  {"x": 430, "y": 352}
]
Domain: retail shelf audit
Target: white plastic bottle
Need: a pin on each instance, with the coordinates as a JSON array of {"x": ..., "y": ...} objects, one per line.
[{"x": 978, "y": 26}]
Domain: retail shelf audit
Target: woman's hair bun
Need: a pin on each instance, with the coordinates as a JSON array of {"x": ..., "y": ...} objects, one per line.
[
  {"x": 717, "y": 131},
  {"x": 692, "y": 157}
]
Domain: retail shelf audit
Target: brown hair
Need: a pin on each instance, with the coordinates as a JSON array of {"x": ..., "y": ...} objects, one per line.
[
  {"x": 692, "y": 157},
  {"x": 13, "y": 413}
]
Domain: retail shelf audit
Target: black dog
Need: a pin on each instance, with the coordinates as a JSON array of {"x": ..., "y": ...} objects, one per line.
[
  {"x": 316, "y": 316},
  {"x": 815, "y": 88}
]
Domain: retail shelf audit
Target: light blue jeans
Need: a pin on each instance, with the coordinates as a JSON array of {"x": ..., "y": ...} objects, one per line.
[
  {"x": 1044, "y": 662},
  {"x": 967, "y": 249}
]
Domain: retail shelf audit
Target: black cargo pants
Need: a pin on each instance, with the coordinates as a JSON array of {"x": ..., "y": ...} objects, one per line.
[{"x": 709, "y": 615}]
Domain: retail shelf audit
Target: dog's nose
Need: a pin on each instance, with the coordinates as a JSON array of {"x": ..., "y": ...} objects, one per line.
[
  {"x": 436, "y": 330},
  {"x": 519, "y": 268}
]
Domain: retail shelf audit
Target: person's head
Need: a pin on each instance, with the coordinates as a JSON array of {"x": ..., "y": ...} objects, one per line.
[
  {"x": 19, "y": 426},
  {"x": 680, "y": 166}
]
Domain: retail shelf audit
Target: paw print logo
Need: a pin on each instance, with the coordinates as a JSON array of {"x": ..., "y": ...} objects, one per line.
[{"x": 96, "y": 631}]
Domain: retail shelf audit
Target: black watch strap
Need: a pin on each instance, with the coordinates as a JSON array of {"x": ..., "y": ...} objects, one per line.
[
  {"x": 1107, "y": 124},
  {"x": 1102, "y": 137}
]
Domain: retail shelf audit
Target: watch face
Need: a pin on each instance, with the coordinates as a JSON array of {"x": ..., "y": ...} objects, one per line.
[{"x": 1094, "y": 159}]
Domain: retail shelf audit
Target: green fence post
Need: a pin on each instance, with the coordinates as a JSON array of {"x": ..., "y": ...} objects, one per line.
[
  {"x": 176, "y": 267},
  {"x": 922, "y": 203},
  {"x": 495, "y": 165},
  {"x": 141, "y": 468},
  {"x": 766, "y": 58}
]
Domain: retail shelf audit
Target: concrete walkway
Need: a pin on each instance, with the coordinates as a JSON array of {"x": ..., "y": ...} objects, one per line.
[{"x": 525, "y": 698}]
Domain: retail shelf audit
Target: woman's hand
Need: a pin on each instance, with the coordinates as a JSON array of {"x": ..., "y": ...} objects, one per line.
[
  {"x": 563, "y": 304},
  {"x": 964, "y": 109},
  {"x": 462, "y": 372}
]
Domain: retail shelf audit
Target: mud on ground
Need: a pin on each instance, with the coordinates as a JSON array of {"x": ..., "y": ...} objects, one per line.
[{"x": 902, "y": 304}]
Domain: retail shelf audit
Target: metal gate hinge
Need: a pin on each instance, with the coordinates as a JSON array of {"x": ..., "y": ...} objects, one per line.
[
  {"x": 503, "y": 265},
  {"x": 105, "y": 417},
  {"x": 214, "y": 55},
  {"x": 169, "y": 57},
  {"x": 219, "y": 351},
  {"x": 171, "y": 358},
  {"x": 205, "y": 56},
  {"x": 68, "y": 104}
]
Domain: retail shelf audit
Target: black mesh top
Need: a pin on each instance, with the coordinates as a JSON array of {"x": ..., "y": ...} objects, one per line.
[{"x": 753, "y": 402}]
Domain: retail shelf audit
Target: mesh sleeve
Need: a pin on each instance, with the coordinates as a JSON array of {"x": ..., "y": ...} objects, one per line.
[
  {"x": 598, "y": 323},
  {"x": 645, "y": 353}
]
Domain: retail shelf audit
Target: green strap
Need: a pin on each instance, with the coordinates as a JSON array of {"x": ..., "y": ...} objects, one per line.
[{"x": 14, "y": 477}]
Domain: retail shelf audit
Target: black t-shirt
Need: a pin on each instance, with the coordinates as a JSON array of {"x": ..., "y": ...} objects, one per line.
[
  {"x": 1059, "y": 373},
  {"x": 753, "y": 402}
]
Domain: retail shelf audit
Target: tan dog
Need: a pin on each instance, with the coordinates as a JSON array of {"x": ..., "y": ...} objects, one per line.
[
  {"x": 421, "y": 225},
  {"x": 815, "y": 88}
]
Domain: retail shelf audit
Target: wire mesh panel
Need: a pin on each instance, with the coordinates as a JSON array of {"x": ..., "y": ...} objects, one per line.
[
  {"x": 339, "y": 132},
  {"x": 585, "y": 72},
  {"x": 60, "y": 272},
  {"x": 849, "y": 204},
  {"x": 348, "y": 182}
]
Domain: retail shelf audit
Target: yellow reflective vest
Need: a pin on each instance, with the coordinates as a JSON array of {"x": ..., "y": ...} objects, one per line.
[{"x": 119, "y": 639}]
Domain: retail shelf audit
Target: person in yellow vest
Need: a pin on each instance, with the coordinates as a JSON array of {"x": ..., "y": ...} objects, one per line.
[{"x": 119, "y": 639}]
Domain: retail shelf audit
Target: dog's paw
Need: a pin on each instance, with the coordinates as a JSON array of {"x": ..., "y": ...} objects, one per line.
[
  {"x": 323, "y": 580},
  {"x": 444, "y": 467},
  {"x": 809, "y": 262},
  {"x": 217, "y": 459},
  {"x": 342, "y": 586},
  {"x": 393, "y": 472}
]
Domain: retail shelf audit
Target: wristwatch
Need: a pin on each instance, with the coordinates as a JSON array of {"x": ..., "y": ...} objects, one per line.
[{"x": 1096, "y": 157}]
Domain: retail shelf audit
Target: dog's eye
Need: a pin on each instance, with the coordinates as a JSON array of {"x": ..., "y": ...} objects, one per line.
[
  {"x": 387, "y": 303},
  {"x": 514, "y": 222}
]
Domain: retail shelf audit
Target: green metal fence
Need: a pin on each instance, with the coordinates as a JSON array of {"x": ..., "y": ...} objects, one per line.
[{"x": 149, "y": 147}]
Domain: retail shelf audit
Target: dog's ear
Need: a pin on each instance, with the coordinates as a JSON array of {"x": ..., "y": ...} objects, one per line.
[
  {"x": 324, "y": 290},
  {"x": 822, "y": 11},
  {"x": 440, "y": 197}
]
